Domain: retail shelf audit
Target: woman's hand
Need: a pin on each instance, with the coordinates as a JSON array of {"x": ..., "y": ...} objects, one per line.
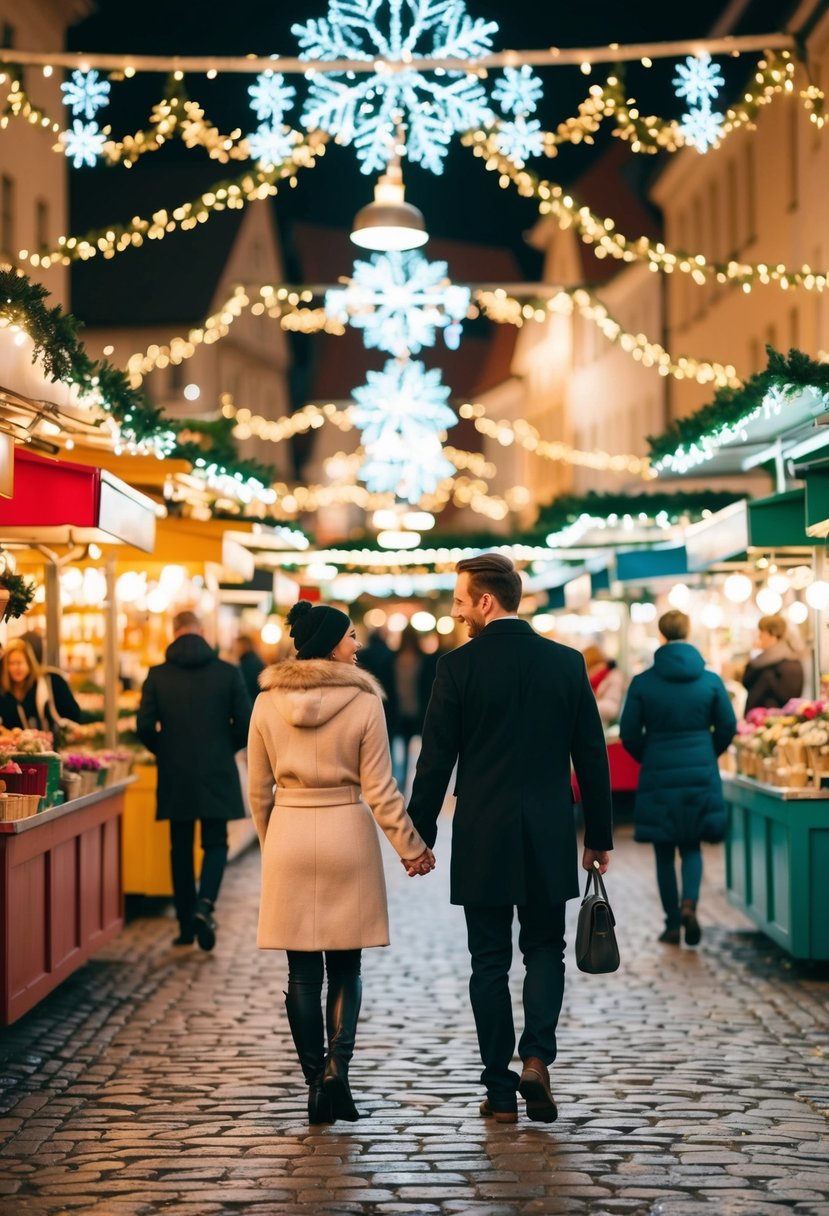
[{"x": 419, "y": 865}]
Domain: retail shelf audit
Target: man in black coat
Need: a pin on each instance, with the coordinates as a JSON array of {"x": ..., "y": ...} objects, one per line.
[
  {"x": 194, "y": 716},
  {"x": 513, "y": 708}
]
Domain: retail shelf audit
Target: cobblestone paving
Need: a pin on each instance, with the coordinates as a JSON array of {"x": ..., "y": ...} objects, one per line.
[{"x": 163, "y": 1081}]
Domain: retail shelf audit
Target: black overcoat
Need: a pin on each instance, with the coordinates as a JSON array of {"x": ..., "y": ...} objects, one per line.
[
  {"x": 513, "y": 708},
  {"x": 194, "y": 717}
]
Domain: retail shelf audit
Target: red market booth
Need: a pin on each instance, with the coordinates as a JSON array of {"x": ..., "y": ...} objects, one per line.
[{"x": 60, "y": 870}]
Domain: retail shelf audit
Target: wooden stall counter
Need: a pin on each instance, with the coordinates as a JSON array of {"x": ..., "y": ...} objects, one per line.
[{"x": 60, "y": 894}]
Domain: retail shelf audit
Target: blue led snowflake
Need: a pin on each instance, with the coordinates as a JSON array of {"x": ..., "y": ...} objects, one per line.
[
  {"x": 366, "y": 110},
  {"x": 272, "y": 142},
  {"x": 399, "y": 300},
  {"x": 270, "y": 96},
  {"x": 84, "y": 142},
  {"x": 518, "y": 91},
  {"x": 698, "y": 81},
  {"x": 85, "y": 93},
  {"x": 518, "y": 139},
  {"x": 402, "y": 412},
  {"x": 392, "y": 468}
]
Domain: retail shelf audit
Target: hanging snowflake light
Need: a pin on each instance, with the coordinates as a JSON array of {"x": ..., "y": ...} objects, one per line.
[
  {"x": 402, "y": 412},
  {"x": 698, "y": 81},
  {"x": 399, "y": 300},
  {"x": 518, "y": 91},
  {"x": 366, "y": 110},
  {"x": 84, "y": 94},
  {"x": 272, "y": 142},
  {"x": 518, "y": 139}
]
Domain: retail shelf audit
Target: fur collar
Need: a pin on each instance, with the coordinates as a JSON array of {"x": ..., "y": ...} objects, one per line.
[{"x": 297, "y": 675}]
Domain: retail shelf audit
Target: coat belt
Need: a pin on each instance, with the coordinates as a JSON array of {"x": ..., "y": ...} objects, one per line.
[{"x": 336, "y": 795}]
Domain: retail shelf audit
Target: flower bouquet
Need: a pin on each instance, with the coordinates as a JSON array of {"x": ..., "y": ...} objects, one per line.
[{"x": 87, "y": 767}]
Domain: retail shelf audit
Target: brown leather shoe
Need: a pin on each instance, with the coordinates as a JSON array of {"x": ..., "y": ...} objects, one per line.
[
  {"x": 534, "y": 1088},
  {"x": 500, "y": 1116}
]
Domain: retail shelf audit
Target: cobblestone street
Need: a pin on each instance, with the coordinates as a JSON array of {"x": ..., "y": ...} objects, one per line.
[{"x": 162, "y": 1080}]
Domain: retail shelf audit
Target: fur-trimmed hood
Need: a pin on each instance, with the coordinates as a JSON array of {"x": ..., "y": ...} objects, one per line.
[{"x": 309, "y": 692}]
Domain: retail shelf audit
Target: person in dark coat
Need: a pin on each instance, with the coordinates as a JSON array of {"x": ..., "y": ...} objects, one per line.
[
  {"x": 194, "y": 717},
  {"x": 677, "y": 719},
  {"x": 377, "y": 657},
  {"x": 775, "y": 675},
  {"x": 61, "y": 694},
  {"x": 513, "y": 709},
  {"x": 414, "y": 674},
  {"x": 250, "y": 665}
]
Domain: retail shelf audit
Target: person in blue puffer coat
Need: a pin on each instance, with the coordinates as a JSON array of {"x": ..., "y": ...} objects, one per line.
[{"x": 677, "y": 719}]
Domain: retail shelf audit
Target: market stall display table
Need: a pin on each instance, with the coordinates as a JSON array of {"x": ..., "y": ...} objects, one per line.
[
  {"x": 60, "y": 894},
  {"x": 777, "y": 859}
]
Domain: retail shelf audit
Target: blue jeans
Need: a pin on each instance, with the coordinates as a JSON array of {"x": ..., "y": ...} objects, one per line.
[{"x": 691, "y": 866}]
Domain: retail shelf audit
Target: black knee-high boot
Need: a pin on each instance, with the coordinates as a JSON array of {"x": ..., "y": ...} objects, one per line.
[
  {"x": 304, "y": 1009},
  {"x": 342, "y": 1011}
]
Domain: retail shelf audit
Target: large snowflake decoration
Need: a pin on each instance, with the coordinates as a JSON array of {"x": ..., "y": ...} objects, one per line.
[
  {"x": 698, "y": 81},
  {"x": 84, "y": 142},
  {"x": 518, "y": 91},
  {"x": 401, "y": 412},
  {"x": 270, "y": 96},
  {"x": 390, "y": 467},
  {"x": 366, "y": 110},
  {"x": 518, "y": 139},
  {"x": 399, "y": 300},
  {"x": 272, "y": 142},
  {"x": 85, "y": 93},
  {"x": 702, "y": 128}
]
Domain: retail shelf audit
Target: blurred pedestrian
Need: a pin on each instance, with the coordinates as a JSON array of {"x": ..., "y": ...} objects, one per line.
[
  {"x": 607, "y": 682},
  {"x": 378, "y": 658},
  {"x": 28, "y": 698},
  {"x": 319, "y": 769},
  {"x": 512, "y": 709},
  {"x": 414, "y": 673},
  {"x": 193, "y": 716},
  {"x": 676, "y": 721},
  {"x": 775, "y": 674},
  {"x": 250, "y": 664}
]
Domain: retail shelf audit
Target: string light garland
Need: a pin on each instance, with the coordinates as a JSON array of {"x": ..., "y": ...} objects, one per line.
[
  {"x": 605, "y": 241},
  {"x": 225, "y": 195},
  {"x": 288, "y": 305}
]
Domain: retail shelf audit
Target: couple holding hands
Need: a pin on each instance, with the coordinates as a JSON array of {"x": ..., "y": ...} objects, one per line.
[{"x": 512, "y": 709}]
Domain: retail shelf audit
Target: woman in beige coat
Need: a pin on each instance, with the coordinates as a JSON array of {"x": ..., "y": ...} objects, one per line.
[{"x": 318, "y": 769}]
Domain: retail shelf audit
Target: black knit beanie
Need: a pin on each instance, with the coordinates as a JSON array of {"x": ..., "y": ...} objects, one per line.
[{"x": 316, "y": 629}]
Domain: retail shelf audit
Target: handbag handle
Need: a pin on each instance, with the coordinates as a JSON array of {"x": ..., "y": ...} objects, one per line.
[{"x": 595, "y": 875}]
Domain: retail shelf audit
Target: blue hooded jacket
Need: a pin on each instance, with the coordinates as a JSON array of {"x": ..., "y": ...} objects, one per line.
[{"x": 676, "y": 720}]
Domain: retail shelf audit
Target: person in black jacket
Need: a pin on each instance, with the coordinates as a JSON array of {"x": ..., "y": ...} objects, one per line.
[
  {"x": 513, "y": 708},
  {"x": 194, "y": 717},
  {"x": 28, "y": 697},
  {"x": 775, "y": 675},
  {"x": 250, "y": 664}
]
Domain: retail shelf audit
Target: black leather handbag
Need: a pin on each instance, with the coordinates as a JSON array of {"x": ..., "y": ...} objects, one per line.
[{"x": 596, "y": 948}]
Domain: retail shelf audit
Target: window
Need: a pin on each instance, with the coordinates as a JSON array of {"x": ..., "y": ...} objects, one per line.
[
  {"x": 697, "y": 246},
  {"x": 7, "y": 217},
  {"x": 771, "y": 336},
  {"x": 714, "y": 251},
  {"x": 176, "y": 377},
  {"x": 731, "y": 208},
  {"x": 753, "y": 356},
  {"x": 7, "y": 35},
  {"x": 794, "y": 328},
  {"x": 794, "y": 153},
  {"x": 41, "y": 224},
  {"x": 751, "y": 194}
]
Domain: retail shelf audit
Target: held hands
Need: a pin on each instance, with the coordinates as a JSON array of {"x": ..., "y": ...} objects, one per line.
[
  {"x": 419, "y": 865},
  {"x": 591, "y": 855}
]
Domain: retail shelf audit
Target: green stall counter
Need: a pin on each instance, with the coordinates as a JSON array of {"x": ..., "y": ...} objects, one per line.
[{"x": 777, "y": 860}]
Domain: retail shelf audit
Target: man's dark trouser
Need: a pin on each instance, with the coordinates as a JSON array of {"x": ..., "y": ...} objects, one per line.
[
  {"x": 214, "y": 857},
  {"x": 541, "y": 942}
]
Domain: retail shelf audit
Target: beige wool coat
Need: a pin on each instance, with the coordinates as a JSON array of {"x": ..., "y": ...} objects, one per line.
[{"x": 318, "y": 770}]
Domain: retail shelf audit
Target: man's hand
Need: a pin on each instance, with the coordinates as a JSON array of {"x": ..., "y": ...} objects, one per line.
[
  {"x": 419, "y": 865},
  {"x": 591, "y": 855}
]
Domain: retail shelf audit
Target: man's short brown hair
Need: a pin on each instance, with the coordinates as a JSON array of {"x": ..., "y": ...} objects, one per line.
[
  {"x": 186, "y": 622},
  {"x": 493, "y": 573},
  {"x": 674, "y": 625}
]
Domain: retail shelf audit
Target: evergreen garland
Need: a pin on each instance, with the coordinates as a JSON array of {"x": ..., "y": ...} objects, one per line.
[{"x": 732, "y": 406}]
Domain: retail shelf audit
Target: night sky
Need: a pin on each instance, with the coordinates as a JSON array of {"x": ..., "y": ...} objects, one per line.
[{"x": 465, "y": 202}]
